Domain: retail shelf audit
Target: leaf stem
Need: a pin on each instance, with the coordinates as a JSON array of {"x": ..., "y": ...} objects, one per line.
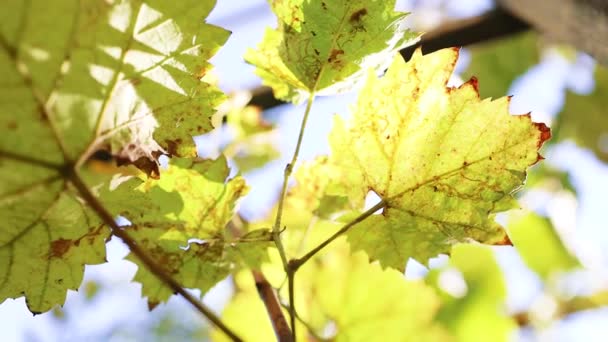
[
  {"x": 140, "y": 253},
  {"x": 276, "y": 229},
  {"x": 295, "y": 264}
]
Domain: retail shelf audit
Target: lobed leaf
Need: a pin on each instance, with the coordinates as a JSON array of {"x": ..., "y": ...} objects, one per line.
[
  {"x": 364, "y": 300},
  {"x": 180, "y": 219},
  {"x": 119, "y": 76},
  {"x": 443, "y": 160},
  {"x": 327, "y": 47}
]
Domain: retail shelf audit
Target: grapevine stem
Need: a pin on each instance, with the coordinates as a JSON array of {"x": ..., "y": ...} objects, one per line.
[
  {"x": 276, "y": 229},
  {"x": 273, "y": 307},
  {"x": 140, "y": 253},
  {"x": 295, "y": 264}
]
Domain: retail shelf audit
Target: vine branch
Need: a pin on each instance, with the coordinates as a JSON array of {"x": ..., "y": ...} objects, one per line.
[
  {"x": 273, "y": 307},
  {"x": 140, "y": 253}
]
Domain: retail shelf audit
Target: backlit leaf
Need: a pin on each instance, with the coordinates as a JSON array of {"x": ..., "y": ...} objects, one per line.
[
  {"x": 327, "y": 47},
  {"x": 478, "y": 313},
  {"x": 499, "y": 63},
  {"x": 443, "y": 160},
  {"x": 192, "y": 200},
  {"x": 79, "y": 77},
  {"x": 366, "y": 302},
  {"x": 528, "y": 233},
  {"x": 584, "y": 118}
]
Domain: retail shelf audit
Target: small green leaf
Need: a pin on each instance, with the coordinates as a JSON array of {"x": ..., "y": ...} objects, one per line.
[
  {"x": 499, "y": 63},
  {"x": 366, "y": 302},
  {"x": 540, "y": 246},
  {"x": 443, "y": 160},
  {"x": 584, "y": 118},
  {"x": 327, "y": 47},
  {"x": 480, "y": 314}
]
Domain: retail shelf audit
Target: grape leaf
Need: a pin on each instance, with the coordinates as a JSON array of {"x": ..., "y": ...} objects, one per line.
[
  {"x": 327, "y": 47},
  {"x": 190, "y": 201},
  {"x": 443, "y": 160},
  {"x": 584, "y": 118},
  {"x": 480, "y": 313},
  {"x": 527, "y": 232},
  {"x": 499, "y": 63},
  {"x": 363, "y": 300},
  {"x": 196, "y": 265},
  {"x": 123, "y": 76}
]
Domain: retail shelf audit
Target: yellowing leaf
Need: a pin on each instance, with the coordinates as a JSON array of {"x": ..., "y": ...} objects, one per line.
[
  {"x": 443, "y": 160},
  {"x": 196, "y": 265},
  {"x": 327, "y": 47},
  {"x": 47, "y": 235},
  {"x": 480, "y": 313},
  {"x": 191, "y": 200},
  {"x": 78, "y": 77},
  {"x": 540, "y": 246}
]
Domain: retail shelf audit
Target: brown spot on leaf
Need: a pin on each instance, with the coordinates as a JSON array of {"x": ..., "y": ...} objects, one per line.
[
  {"x": 135, "y": 81},
  {"x": 334, "y": 55},
  {"x": 60, "y": 247},
  {"x": 12, "y": 125},
  {"x": 504, "y": 242},
  {"x": 173, "y": 145},
  {"x": 152, "y": 305},
  {"x": 145, "y": 164},
  {"x": 473, "y": 81},
  {"x": 545, "y": 133},
  {"x": 357, "y": 15}
]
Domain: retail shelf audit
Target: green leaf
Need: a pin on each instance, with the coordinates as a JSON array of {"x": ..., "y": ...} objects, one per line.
[
  {"x": 47, "y": 237},
  {"x": 78, "y": 77},
  {"x": 548, "y": 178},
  {"x": 540, "y": 246},
  {"x": 327, "y": 47},
  {"x": 500, "y": 62},
  {"x": 196, "y": 265},
  {"x": 479, "y": 315},
  {"x": 366, "y": 302},
  {"x": 443, "y": 160},
  {"x": 191, "y": 200},
  {"x": 584, "y": 118}
]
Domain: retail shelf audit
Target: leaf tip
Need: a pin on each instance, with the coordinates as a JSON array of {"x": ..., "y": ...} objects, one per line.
[{"x": 474, "y": 83}]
